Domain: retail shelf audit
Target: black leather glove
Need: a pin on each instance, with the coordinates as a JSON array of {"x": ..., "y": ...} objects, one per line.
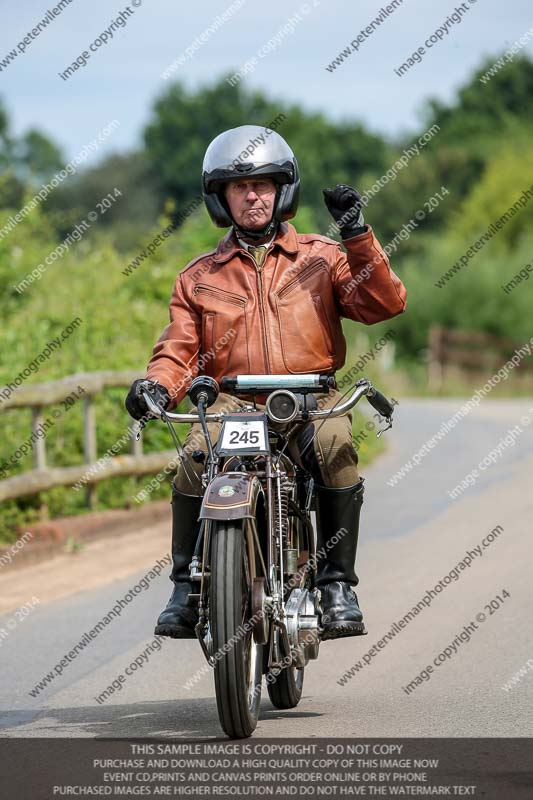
[
  {"x": 345, "y": 204},
  {"x": 135, "y": 404}
]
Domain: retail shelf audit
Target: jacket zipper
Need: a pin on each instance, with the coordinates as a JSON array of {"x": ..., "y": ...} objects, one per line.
[{"x": 259, "y": 271}]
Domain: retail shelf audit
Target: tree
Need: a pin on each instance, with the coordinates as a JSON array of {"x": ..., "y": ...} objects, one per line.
[
  {"x": 474, "y": 129},
  {"x": 133, "y": 213},
  {"x": 484, "y": 109},
  {"x": 184, "y": 123},
  {"x": 38, "y": 158}
]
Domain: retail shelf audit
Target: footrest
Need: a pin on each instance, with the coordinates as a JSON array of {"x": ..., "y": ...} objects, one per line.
[
  {"x": 340, "y": 631},
  {"x": 193, "y": 600}
]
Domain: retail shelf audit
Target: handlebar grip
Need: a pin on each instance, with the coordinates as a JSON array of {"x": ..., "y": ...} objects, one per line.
[{"x": 378, "y": 401}]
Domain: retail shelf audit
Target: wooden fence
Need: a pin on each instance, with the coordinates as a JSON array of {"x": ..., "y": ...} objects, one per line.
[
  {"x": 472, "y": 352},
  {"x": 41, "y": 478}
]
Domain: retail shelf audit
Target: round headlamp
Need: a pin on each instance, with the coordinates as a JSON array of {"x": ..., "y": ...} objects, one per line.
[{"x": 282, "y": 406}]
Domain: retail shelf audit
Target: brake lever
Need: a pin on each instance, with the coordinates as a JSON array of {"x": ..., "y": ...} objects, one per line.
[
  {"x": 142, "y": 422},
  {"x": 140, "y": 427},
  {"x": 386, "y": 428}
]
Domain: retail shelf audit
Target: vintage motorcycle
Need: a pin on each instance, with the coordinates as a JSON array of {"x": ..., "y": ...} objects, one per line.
[{"x": 255, "y": 560}]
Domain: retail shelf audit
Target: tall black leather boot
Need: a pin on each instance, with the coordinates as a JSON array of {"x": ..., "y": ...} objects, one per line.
[
  {"x": 338, "y": 531},
  {"x": 178, "y": 619}
]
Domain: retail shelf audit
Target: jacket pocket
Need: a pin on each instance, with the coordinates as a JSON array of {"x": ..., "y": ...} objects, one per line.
[
  {"x": 306, "y": 332},
  {"x": 302, "y": 276},
  {"x": 208, "y": 332},
  {"x": 324, "y": 320},
  {"x": 225, "y": 340},
  {"x": 306, "y": 344},
  {"x": 219, "y": 294}
]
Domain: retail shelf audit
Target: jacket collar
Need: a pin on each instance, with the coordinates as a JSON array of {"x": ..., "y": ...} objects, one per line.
[{"x": 229, "y": 245}]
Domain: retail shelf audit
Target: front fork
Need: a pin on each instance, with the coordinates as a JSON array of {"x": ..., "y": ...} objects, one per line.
[
  {"x": 273, "y": 602},
  {"x": 199, "y": 568},
  {"x": 300, "y": 610}
]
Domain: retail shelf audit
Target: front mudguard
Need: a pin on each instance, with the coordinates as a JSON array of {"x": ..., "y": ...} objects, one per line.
[{"x": 231, "y": 495}]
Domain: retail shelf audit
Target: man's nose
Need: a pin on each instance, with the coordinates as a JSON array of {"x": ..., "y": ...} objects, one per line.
[{"x": 252, "y": 195}]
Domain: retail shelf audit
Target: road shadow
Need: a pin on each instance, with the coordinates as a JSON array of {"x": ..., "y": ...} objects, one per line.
[{"x": 176, "y": 719}]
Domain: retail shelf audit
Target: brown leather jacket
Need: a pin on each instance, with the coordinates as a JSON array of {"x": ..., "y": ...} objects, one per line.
[{"x": 229, "y": 317}]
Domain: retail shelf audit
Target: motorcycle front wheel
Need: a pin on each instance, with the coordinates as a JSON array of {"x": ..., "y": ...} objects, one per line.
[
  {"x": 237, "y": 657},
  {"x": 285, "y": 687}
]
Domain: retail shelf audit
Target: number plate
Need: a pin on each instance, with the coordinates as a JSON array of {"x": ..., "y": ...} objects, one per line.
[{"x": 243, "y": 434}]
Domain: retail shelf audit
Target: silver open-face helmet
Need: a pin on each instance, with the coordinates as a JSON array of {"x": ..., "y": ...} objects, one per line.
[{"x": 243, "y": 152}]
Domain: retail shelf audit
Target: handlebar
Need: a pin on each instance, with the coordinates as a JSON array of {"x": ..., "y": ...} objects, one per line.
[
  {"x": 378, "y": 401},
  {"x": 362, "y": 387}
]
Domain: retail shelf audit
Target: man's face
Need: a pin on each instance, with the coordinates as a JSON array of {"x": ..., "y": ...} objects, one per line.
[{"x": 251, "y": 202}]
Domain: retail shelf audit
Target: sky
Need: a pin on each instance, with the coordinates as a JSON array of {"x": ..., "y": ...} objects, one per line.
[{"x": 123, "y": 77}]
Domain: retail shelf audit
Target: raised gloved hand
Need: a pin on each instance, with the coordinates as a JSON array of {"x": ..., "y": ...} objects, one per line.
[
  {"x": 345, "y": 204},
  {"x": 135, "y": 403}
]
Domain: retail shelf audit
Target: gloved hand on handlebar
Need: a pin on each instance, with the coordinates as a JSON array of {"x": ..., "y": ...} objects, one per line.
[
  {"x": 135, "y": 403},
  {"x": 345, "y": 204}
]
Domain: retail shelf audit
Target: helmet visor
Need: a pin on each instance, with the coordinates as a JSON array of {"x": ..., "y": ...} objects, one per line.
[{"x": 281, "y": 173}]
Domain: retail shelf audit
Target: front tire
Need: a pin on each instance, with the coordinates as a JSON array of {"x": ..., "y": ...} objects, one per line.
[
  {"x": 285, "y": 689},
  {"x": 238, "y": 659}
]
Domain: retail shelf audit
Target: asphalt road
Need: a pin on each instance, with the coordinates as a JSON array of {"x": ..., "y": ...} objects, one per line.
[{"x": 413, "y": 535}]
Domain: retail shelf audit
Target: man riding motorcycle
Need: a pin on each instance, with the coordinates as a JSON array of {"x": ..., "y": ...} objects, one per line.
[{"x": 269, "y": 301}]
